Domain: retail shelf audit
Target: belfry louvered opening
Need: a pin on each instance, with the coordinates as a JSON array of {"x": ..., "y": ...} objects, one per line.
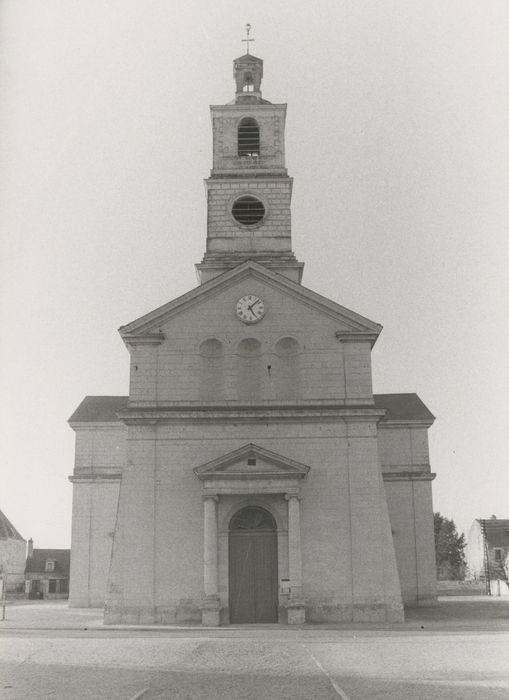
[
  {"x": 249, "y": 137},
  {"x": 248, "y": 210}
]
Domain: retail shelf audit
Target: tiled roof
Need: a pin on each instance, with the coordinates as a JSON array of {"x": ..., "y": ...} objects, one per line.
[
  {"x": 105, "y": 408},
  {"x": 497, "y": 532},
  {"x": 7, "y": 529},
  {"x": 37, "y": 562}
]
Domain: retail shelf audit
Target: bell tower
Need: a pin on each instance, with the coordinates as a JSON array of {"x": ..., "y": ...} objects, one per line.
[{"x": 249, "y": 190}]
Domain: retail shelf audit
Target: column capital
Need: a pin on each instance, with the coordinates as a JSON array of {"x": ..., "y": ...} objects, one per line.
[
  {"x": 211, "y": 496},
  {"x": 288, "y": 496}
]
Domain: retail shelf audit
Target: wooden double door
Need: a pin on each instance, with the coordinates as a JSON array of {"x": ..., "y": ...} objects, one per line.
[{"x": 253, "y": 570}]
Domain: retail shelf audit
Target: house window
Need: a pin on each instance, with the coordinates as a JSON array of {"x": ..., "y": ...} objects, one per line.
[
  {"x": 58, "y": 585},
  {"x": 50, "y": 565}
]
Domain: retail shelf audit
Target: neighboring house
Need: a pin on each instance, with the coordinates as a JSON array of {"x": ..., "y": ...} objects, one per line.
[
  {"x": 12, "y": 556},
  {"x": 47, "y": 572},
  {"x": 487, "y": 553}
]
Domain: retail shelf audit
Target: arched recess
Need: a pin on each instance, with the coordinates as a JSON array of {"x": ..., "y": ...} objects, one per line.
[
  {"x": 248, "y": 137},
  {"x": 211, "y": 370},
  {"x": 250, "y": 377},
  {"x": 252, "y": 566},
  {"x": 287, "y": 370}
]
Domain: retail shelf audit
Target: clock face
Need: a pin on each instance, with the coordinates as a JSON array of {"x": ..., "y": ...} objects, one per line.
[{"x": 250, "y": 309}]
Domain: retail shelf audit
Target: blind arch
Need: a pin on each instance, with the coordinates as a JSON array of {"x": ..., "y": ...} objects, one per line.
[
  {"x": 211, "y": 386},
  {"x": 287, "y": 374},
  {"x": 250, "y": 379}
]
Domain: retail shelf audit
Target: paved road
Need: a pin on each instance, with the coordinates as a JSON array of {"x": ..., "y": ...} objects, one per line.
[{"x": 254, "y": 663}]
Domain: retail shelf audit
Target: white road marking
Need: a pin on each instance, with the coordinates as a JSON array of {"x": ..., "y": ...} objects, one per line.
[
  {"x": 467, "y": 682},
  {"x": 139, "y": 695},
  {"x": 336, "y": 687}
]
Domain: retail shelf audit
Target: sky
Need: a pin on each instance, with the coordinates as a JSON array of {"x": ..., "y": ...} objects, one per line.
[{"x": 398, "y": 144}]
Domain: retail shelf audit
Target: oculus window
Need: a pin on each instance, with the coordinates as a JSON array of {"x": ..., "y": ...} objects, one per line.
[{"x": 248, "y": 210}]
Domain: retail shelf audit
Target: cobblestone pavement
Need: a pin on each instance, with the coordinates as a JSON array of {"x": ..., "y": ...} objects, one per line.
[{"x": 434, "y": 656}]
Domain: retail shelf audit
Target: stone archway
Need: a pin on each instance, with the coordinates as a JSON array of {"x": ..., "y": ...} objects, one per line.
[{"x": 253, "y": 566}]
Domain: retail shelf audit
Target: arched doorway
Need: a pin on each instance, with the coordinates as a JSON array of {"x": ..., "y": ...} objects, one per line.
[{"x": 253, "y": 573}]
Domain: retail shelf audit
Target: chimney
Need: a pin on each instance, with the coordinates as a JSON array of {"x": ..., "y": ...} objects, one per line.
[{"x": 30, "y": 549}]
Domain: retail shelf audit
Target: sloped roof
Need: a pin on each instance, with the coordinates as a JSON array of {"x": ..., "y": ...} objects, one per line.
[
  {"x": 37, "y": 562},
  {"x": 105, "y": 408},
  {"x": 248, "y": 57},
  {"x": 99, "y": 409},
  {"x": 403, "y": 407},
  {"x": 497, "y": 531},
  {"x": 7, "y": 529}
]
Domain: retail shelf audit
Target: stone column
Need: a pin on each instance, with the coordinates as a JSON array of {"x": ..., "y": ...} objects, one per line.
[
  {"x": 210, "y": 606},
  {"x": 295, "y": 606}
]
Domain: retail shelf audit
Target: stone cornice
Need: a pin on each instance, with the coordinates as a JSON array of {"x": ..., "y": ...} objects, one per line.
[
  {"x": 147, "y": 339},
  {"x": 243, "y": 107},
  {"x": 248, "y": 414},
  {"x": 89, "y": 478},
  {"x": 408, "y": 476},
  {"x": 410, "y": 423},
  {"x": 97, "y": 425},
  {"x": 356, "y": 337},
  {"x": 266, "y": 175}
]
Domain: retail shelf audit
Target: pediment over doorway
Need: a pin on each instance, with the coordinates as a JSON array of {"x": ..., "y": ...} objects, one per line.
[{"x": 251, "y": 462}]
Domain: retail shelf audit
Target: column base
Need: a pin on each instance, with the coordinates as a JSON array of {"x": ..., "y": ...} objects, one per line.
[
  {"x": 210, "y": 610},
  {"x": 296, "y": 611}
]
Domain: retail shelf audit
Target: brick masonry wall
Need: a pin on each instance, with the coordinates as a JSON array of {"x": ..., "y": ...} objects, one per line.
[
  {"x": 225, "y": 122},
  {"x": 224, "y": 234}
]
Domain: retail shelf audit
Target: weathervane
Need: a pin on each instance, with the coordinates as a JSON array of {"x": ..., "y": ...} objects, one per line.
[{"x": 247, "y": 39}]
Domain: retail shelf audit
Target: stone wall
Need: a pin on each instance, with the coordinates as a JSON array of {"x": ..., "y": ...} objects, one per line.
[{"x": 173, "y": 371}]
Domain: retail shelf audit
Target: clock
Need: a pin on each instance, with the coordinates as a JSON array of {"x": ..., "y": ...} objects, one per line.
[{"x": 250, "y": 309}]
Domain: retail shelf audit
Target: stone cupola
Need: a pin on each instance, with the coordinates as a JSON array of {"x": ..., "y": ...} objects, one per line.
[{"x": 248, "y": 73}]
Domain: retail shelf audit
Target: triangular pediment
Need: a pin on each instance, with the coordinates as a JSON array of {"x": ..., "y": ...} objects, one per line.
[
  {"x": 149, "y": 326},
  {"x": 251, "y": 462}
]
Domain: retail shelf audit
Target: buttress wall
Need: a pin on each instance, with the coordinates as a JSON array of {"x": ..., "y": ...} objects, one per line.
[{"x": 99, "y": 462}]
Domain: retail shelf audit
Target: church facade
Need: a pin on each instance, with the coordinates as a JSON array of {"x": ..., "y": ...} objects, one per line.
[{"x": 251, "y": 475}]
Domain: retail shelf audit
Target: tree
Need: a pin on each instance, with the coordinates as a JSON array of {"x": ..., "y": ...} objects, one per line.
[{"x": 449, "y": 549}]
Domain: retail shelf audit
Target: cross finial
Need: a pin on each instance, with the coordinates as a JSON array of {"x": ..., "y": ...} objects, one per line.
[{"x": 247, "y": 39}]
